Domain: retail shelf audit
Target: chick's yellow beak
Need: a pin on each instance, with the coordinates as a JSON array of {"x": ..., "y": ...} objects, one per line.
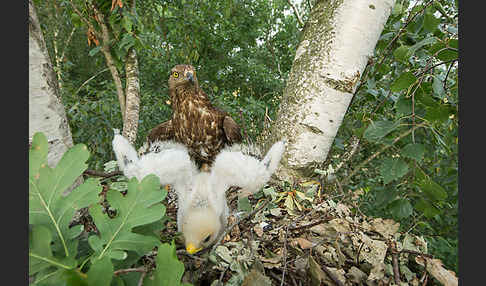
[{"x": 191, "y": 249}]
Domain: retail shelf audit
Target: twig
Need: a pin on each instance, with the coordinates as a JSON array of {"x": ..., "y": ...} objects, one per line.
[
  {"x": 228, "y": 229},
  {"x": 311, "y": 224},
  {"x": 285, "y": 256},
  {"x": 438, "y": 64},
  {"x": 346, "y": 180},
  {"x": 296, "y": 12},
  {"x": 394, "y": 254},
  {"x": 387, "y": 49},
  {"x": 89, "y": 79},
  {"x": 359, "y": 251},
  {"x": 101, "y": 174},
  {"x": 275, "y": 276},
  {"x": 310, "y": 212},
  {"x": 349, "y": 154},
  {"x": 447, "y": 74},
  {"x": 184, "y": 252},
  {"x": 140, "y": 282},
  {"x": 220, "y": 281},
  {"x": 416, "y": 253},
  {"x": 293, "y": 280},
  {"x": 128, "y": 270}
]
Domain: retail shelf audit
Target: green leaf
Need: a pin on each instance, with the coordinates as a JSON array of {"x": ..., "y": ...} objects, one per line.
[
  {"x": 152, "y": 229},
  {"x": 403, "y": 106},
  {"x": 101, "y": 272},
  {"x": 76, "y": 20},
  {"x": 430, "y": 22},
  {"x": 40, "y": 249},
  {"x": 401, "y": 208},
  {"x": 392, "y": 169},
  {"x": 440, "y": 113},
  {"x": 169, "y": 269},
  {"x": 402, "y": 53},
  {"x": 414, "y": 151},
  {"x": 244, "y": 204},
  {"x": 127, "y": 24},
  {"x": 378, "y": 130},
  {"x": 47, "y": 204},
  {"x": 424, "y": 42},
  {"x": 438, "y": 87},
  {"x": 141, "y": 205},
  {"x": 127, "y": 42},
  {"x": 94, "y": 51},
  {"x": 426, "y": 208},
  {"x": 403, "y": 82},
  {"x": 432, "y": 190},
  {"x": 384, "y": 195},
  {"x": 289, "y": 203}
]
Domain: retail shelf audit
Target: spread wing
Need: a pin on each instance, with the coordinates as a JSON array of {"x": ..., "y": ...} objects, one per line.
[
  {"x": 231, "y": 130},
  {"x": 162, "y": 132}
]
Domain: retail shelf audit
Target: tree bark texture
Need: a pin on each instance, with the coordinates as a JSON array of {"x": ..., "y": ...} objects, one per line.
[
  {"x": 336, "y": 43},
  {"x": 110, "y": 62},
  {"x": 46, "y": 112},
  {"x": 132, "y": 93}
]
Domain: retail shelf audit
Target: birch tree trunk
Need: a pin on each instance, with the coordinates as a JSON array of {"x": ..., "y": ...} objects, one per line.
[
  {"x": 337, "y": 41},
  {"x": 132, "y": 93},
  {"x": 46, "y": 112},
  {"x": 129, "y": 98}
]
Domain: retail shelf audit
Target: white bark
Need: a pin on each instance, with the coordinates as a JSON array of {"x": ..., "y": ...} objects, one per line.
[
  {"x": 132, "y": 93},
  {"x": 46, "y": 112},
  {"x": 337, "y": 41}
]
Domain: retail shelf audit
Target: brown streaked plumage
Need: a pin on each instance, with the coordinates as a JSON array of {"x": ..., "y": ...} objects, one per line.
[{"x": 195, "y": 122}]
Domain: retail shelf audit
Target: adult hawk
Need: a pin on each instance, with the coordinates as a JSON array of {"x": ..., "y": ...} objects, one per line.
[{"x": 195, "y": 122}]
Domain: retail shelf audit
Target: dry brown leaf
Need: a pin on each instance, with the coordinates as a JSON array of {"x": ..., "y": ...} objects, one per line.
[
  {"x": 437, "y": 270},
  {"x": 258, "y": 230},
  {"x": 357, "y": 276},
  {"x": 385, "y": 227},
  {"x": 340, "y": 225},
  {"x": 304, "y": 243},
  {"x": 114, "y": 3},
  {"x": 377, "y": 272},
  {"x": 325, "y": 230},
  {"x": 374, "y": 251}
]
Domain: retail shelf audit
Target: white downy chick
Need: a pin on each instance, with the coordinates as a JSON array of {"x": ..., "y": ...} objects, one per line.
[{"x": 202, "y": 208}]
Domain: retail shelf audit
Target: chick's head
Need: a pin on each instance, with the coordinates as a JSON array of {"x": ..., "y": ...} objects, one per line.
[{"x": 200, "y": 227}]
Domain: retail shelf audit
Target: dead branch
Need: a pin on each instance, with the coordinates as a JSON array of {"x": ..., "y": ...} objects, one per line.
[
  {"x": 128, "y": 270},
  {"x": 392, "y": 247},
  {"x": 101, "y": 174}
]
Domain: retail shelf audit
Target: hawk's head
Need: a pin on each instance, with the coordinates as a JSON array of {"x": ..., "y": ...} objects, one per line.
[{"x": 183, "y": 75}]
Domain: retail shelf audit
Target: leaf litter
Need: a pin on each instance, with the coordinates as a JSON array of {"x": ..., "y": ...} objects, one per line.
[{"x": 309, "y": 239}]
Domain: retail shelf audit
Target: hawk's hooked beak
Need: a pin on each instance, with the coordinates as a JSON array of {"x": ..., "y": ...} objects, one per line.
[
  {"x": 191, "y": 249},
  {"x": 190, "y": 77}
]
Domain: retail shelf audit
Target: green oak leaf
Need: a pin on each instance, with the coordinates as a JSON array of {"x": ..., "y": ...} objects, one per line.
[
  {"x": 48, "y": 206},
  {"x": 169, "y": 269},
  {"x": 140, "y": 206}
]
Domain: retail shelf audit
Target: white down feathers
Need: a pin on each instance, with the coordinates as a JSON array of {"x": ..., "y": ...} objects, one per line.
[{"x": 202, "y": 208}]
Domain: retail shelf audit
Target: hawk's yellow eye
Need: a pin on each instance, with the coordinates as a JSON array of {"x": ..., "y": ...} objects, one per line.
[{"x": 175, "y": 74}]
